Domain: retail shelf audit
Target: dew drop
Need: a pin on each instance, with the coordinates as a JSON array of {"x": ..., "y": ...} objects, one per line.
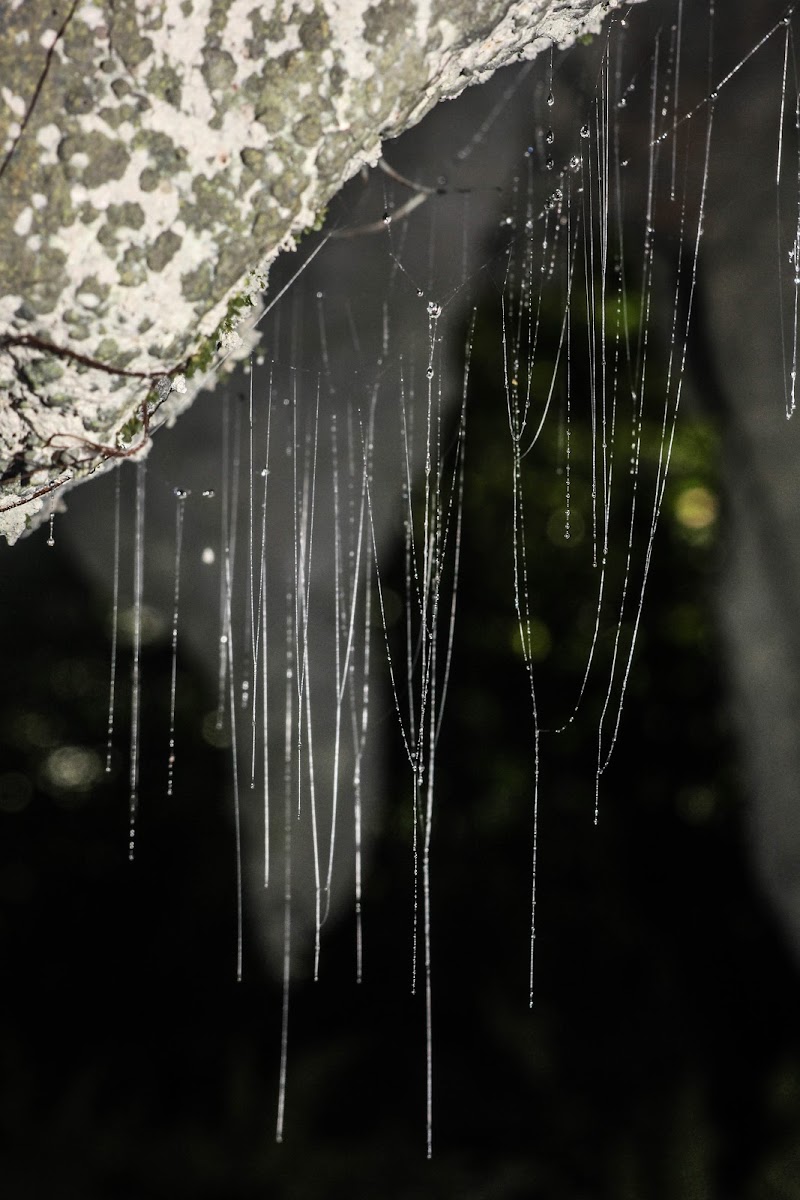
[
  {"x": 549, "y": 137},
  {"x": 434, "y": 309},
  {"x": 430, "y": 372},
  {"x": 550, "y": 99},
  {"x": 585, "y": 131},
  {"x": 208, "y": 493}
]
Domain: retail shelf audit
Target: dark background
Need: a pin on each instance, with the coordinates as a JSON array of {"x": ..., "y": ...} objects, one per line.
[{"x": 661, "y": 1055}]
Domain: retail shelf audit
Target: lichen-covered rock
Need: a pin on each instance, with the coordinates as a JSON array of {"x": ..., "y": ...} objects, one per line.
[{"x": 155, "y": 157}]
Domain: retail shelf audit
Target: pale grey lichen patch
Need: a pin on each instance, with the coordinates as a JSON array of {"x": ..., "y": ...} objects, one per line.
[
  {"x": 79, "y": 43},
  {"x": 196, "y": 284},
  {"x": 314, "y": 32},
  {"x": 108, "y": 159},
  {"x": 79, "y": 100},
  {"x": 92, "y": 294},
  {"x": 254, "y": 159},
  {"x": 218, "y": 69},
  {"x": 162, "y": 250},
  {"x": 149, "y": 179},
  {"x": 308, "y": 131},
  {"x": 41, "y": 371},
  {"x": 164, "y": 82},
  {"x": 213, "y": 203},
  {"x": 178, "y": 147},
  {"x": 106, "y": 350},
  {"x": 129, "y": 215},
  {"x": 128, "y": 43},
  {"x": 133, "y": 267},
  {"x": 165, "y": 156},
  {"x": 389, "y": 21}
]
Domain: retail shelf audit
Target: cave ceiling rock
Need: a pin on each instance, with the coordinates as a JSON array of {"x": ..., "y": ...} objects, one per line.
[{"x": 157, "y": 155}]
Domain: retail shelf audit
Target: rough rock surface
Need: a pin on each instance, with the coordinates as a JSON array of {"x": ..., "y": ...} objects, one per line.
[{"x": 155, "y": 157}]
